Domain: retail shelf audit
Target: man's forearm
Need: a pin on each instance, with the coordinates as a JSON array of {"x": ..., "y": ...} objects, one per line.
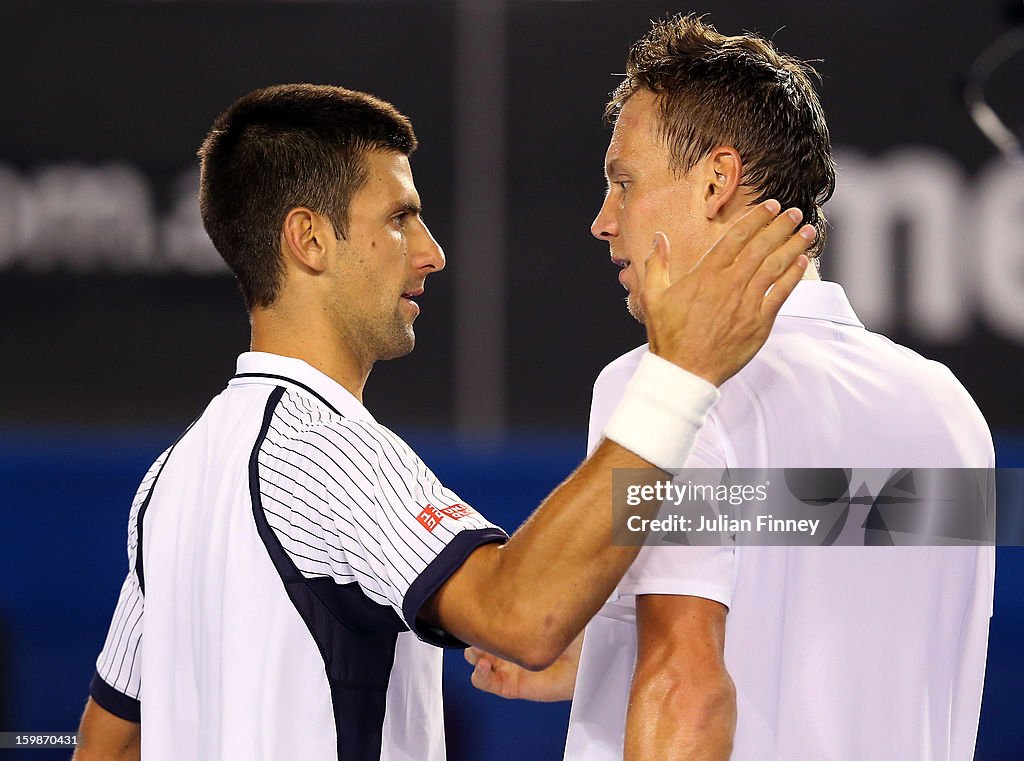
[
  {"x": 527, "y": 600},
  {"x": 560, "y": 567},
  {"x": 682, "y": 722},
  {"x": 106, "y": 737},
  {"x": 554, "y": 573}
]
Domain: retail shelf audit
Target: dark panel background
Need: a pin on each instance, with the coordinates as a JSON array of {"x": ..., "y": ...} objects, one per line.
[{"x": 140, "y": 82}]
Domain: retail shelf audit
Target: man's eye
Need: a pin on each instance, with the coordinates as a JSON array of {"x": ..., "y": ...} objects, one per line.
[
  {"x": 624, "y": 184},
  {"x": 399, "y": 219}
]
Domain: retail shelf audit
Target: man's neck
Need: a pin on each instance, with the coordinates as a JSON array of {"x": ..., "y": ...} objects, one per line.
[{"x": 316, "y": 347}]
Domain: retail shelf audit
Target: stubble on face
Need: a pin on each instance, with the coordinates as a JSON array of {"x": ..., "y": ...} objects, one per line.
[
  {"x": 369, "y": 310},
  {"x": 379, "y": 333},
  {"x": 635, "y": 308},
  {"x": 391, "y": 336},
  {"x": 397, "y": 337}
]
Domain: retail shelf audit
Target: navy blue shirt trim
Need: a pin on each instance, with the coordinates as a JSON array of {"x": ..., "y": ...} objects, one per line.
[
  {"x": 114, "y": 701},
  {"x": 139, "y": 571},
  {"x": 356, "y": 636},
  {"x": 447, "y": 562}
]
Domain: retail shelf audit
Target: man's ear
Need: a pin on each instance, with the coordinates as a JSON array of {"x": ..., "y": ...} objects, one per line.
[
  {"x": 722, "y": 177},
  {"x": 307, "y": 239}
]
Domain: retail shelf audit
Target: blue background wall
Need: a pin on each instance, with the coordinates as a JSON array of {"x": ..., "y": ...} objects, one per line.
[{"x": 65, "y": 499}]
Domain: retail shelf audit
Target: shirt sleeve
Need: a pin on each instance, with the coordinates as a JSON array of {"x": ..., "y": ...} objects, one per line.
[
  {"x": 116, "y": 685},
  {"x": 351, "y": 501},
  {"x": 608, "y": 390},
  {"x": 700, "y": 571}
]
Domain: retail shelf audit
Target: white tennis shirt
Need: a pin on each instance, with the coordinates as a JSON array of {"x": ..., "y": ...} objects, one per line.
[
  {"x": 287, "y": 542},
  {"x": 837, "y": 653}
]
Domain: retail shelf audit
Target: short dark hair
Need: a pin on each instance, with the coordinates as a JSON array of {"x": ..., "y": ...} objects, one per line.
[
  {"x": 281, "y": 147},
  {"x": 738, "y": 91}
]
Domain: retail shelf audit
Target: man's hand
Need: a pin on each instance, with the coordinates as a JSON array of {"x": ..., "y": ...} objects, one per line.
[
  {"x": 714, "y": 318},
  {"x": 505, "y": 679}
]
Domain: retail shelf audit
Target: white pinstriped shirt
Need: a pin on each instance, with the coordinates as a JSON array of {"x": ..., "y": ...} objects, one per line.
[{"x": 287, "y": 542}]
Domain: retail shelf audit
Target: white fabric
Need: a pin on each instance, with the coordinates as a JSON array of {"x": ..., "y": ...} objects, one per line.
[
  {"x": 660, "y": 412},
  {"x": 837, "y": 653},
  {"x": 215, "y": 649}
]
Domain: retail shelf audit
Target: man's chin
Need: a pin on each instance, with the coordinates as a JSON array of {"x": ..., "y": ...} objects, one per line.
[
  {"x": 635, "y": 308},
  {"x": 404, "y": 344},
  {"x": 400, "y": 343}
]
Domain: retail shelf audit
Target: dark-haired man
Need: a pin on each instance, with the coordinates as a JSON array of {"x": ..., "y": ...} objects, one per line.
[
  {"x": 292, "y": 561},
  {"x": 770, "y": 653}
]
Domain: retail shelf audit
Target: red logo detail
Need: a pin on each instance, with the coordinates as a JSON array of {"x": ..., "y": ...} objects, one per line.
[
  {"x": 430, "y": 518},
  {"x": 458, "y": 511}
]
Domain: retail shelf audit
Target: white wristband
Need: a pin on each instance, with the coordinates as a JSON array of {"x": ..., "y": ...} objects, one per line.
[{"x": 659, "y": 415}]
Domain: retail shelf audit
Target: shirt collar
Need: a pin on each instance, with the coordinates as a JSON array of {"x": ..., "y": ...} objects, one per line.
[
  {"x": 261, "y": 367},
  {"x": 820, "y": 300}
]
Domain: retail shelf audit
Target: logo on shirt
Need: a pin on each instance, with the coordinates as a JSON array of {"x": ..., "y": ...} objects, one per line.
[{"x": 430, "y": 517}]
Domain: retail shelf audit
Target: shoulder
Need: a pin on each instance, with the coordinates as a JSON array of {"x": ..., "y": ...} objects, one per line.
[
  {"x": 819, "y": 391},
  {"x": 616, "y": 374},
  {"x": 931, "y": 376},
  {"x": 937, "y": 387},
  {"x": 332, "y": 439},
  {"x": 608, "y": 390}
]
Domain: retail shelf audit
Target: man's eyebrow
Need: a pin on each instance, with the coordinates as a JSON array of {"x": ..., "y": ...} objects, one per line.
[
  {"x": 612, "y": 167},
  {"x": 409, "y": 207}
]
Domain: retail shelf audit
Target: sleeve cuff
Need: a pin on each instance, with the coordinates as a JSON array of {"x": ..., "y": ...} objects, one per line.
[
  {"x": 437, "y": 573},
  {"x": 113, "y": 700},
  {"x": 677, "y": 587}
]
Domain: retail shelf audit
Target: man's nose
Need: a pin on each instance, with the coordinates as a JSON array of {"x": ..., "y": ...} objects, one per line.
[
  {"x": 603, "y": 226},
  {"x": 431, "y": 255}
]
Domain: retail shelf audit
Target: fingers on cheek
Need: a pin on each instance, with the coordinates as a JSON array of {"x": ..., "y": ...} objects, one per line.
[
  {"x": 758, "y": 251},
  {"x": 739, "y": 234},
  {"x": 771, "y": 269}
]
